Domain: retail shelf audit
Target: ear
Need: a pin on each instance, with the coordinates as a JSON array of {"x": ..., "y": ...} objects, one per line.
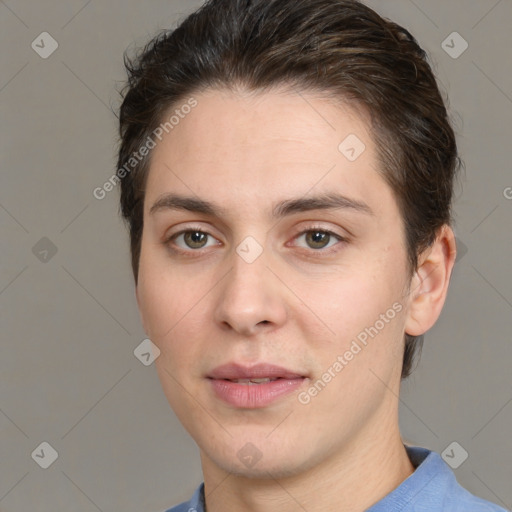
[{"x": 429, "y": 285}]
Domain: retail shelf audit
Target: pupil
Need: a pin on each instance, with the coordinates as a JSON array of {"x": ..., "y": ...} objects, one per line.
[
  {"x": 318, "y": 239},
  {"x": 195, "y": 238}
]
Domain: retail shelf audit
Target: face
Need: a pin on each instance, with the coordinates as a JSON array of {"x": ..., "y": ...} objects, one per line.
[{"x": 273, "y": 279}]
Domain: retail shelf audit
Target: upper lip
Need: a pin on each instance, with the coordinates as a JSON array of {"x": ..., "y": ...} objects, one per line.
[{"x": 235, "y": 371}]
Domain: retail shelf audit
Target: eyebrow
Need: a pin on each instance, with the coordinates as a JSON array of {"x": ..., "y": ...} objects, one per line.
[{"x": 330, "y": 201}]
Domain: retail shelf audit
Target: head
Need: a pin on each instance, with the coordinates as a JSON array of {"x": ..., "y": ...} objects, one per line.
[{"x": 259, "y": 115}]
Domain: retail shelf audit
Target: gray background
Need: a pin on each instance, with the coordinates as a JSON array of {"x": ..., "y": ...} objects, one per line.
[{"x": 70, "y": 324}]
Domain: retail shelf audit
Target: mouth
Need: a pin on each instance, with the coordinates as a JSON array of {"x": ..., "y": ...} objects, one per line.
[
  {"x": 253, "y": 381},
  {"x": 255, "y": 386},
  {"x": 261, "y": 372}
]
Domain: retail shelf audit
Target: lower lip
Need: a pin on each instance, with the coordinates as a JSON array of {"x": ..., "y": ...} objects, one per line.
[{"x": 252, "y": 396}]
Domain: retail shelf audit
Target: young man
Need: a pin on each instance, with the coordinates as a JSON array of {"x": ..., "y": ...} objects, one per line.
[{"x": 286, "y": 170}]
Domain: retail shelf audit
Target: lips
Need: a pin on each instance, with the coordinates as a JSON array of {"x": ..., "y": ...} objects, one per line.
[
  {"x": 253, "y": 381},
  {"x": 236, "y": 372},
  {"x": 255, "y": 386}
]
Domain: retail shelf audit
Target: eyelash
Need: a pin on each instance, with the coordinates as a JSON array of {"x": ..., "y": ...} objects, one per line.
[{"x": 168, "y": 242}]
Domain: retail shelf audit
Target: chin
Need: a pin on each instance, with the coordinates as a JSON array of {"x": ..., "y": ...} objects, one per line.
[
  {"x": 267, "y": 461},
  {"x": 277, "y": 469}
]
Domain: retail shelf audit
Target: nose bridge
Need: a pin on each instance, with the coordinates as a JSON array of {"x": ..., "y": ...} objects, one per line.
[
  {"x": 249, "y": 296},
  {"x": 248, "y": 278}
]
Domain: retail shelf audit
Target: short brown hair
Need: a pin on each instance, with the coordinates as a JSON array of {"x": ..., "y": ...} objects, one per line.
[{"x": 339, "y": 47}]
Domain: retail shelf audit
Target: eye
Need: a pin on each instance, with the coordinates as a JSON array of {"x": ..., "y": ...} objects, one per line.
[
  {"x": 192, "y": 239},
  {"x": 318, "y": 239}
]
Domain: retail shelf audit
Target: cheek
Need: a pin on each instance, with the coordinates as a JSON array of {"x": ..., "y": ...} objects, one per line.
[
  {"x": 162, "y": 296},
  {"x": 173, "y": 307},
  {"x": 364, "y": 309},
  {"x": 171, "y": 317},
  {"x": 353, "y": 300},
  {"x": 157, "y": 304},
  {"x": 363, "y": 361}
]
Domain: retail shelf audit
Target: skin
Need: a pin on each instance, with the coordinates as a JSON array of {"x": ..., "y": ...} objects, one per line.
[{"x": 297, "y": 306}]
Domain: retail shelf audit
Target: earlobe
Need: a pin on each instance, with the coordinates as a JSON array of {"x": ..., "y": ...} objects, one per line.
[{"x": 429, "y": 286}]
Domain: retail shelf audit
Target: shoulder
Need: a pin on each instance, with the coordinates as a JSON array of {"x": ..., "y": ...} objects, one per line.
[
  {"x": 440, "y": 489},
  {"x": 182, "y": 507},
  {"x": 458, "y": 499},
  {"x": 195, "y": 504},
  {"x": 431, "y": 488}
]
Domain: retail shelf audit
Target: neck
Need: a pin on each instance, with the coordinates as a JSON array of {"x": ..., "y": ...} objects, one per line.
[{"x": 351, "y": 480}]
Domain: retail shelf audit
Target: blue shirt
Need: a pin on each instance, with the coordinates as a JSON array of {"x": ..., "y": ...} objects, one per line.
[{"x": 431, "y": 488}]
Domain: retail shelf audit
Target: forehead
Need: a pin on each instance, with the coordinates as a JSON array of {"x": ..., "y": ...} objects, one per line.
[
  {"x": 265, "y": 145},
  {"x": 273, "y": 121}
]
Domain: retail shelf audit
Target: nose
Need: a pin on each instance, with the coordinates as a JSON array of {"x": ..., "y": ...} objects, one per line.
[{"x": 250, "y": 300}]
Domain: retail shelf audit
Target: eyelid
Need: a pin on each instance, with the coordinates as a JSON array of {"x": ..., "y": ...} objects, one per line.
[
  {"x": 304, "y": 230},
  {"x": 322, "y": 229},
  {"x": 185, "y": 228},
  {"x": 318, "y": 227},
  {"x": 168, "y": 239}
]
